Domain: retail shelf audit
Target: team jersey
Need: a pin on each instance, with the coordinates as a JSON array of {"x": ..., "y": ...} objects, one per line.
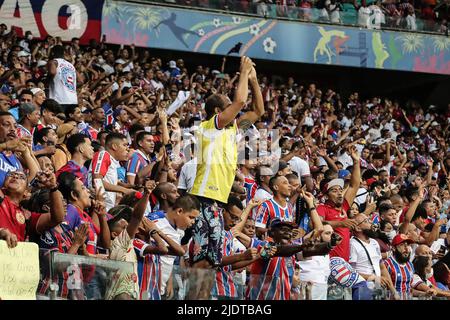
[
  {"x": 401, "y": 274},
  {"x": 22, "y": 132},
  {"x": 216, "y": 160},
  {"x": 224, "y": 285},
  {"x": 79, "y": 171},
  {"x": 15, "y": 219},
  {"x": 137, "y": 162},
  {"x": 330, "y": 213},
  {"x": 149, "y": 272},
  {"x": 74, "y": 217},
  {"x": 269, "y": 210},
  {"x": 167, "y": 261},
  {"x": 63, "y": 87},
  {"x": 54, "y": 240},
  {"x": 270, "y": 279},
  {"x": 105, "y": 165},
  {"x": 251, "y": 187},
  {"x": 8, "y": 163}
]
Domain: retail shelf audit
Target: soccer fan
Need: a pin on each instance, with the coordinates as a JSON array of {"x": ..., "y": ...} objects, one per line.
[
  {"x": 173, "y": 222},
  {"x": 277, "y": 207},
  {"x": 104, "y": 167},
  {"x": 63, "y": 85},
  {"x": 399, "y": 266},
  {"x": 366, "y": 259},
  {"x": 215, "y": 175},
  {"x": 141, "y": 157},
  {"x": 334, "y": 211},
  {"x": 81, "y": 150}
]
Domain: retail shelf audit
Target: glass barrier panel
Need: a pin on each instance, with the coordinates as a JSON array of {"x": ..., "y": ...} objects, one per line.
[
  {"x": 44, "y": 274},
  {"x": 192, "y": 283},
  {"x": 76, "y": 277},
  {"x": 346, "y": 15}
]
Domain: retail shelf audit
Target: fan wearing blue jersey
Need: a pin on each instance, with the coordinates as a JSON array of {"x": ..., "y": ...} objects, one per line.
[
  {"x": 278, "y": 207},
  {"x": 271, "y": 276},
  {"x": 141, "y": 157},
  {"x": 232, "y": 259}
]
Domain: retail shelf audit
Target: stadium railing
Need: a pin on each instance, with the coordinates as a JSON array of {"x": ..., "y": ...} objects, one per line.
[{"x": 348, "y": 14}]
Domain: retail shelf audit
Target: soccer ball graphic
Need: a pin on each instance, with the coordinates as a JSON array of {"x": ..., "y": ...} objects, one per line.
[
  {"x": 254, "y": 29},
  {"x": 201, "y": 32},
  {"x": 236, "y": 20},
  {"x": 217, "y": 22},
  {"x": 269, "y": 45}
]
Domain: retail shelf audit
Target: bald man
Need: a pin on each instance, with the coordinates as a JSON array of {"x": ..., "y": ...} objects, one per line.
[{"x": 167, "y": 194}]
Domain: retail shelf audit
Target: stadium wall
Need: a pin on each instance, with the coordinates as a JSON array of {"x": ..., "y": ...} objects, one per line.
[{"x": 192, "y": 30}]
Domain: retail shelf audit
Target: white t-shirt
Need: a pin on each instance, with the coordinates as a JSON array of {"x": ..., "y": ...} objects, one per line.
[
  {"x": 176, "y": 235},
  {"x": 129, "y": 67},
  {"x": 187, "y": 175},
  {"x": 300, "y": 166},
  {"x": 345, "y": 159},
  {"x": 359, "y": 259},
  {"x": 315, "y": 269},
  {"x": 63, "y": 87}
]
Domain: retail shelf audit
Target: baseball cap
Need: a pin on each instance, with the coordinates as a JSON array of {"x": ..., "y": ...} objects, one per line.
[
  {"x": 433, "y": 149},
  {"x": 36, "y": 90},
  {"x": 63, "y": 130},
  {"x": 41, "y": 63},
  {"x": 172, "y": 64},
  {"x": 333, "y": 183},
  {"x": 23, "y": 54},
  {"x": 276, "y": 223},
  {"x": 265, "y": 171},
  {"x": 25, "y": 109},
  {"x": 400, "y": 238},
  {"x": 434, "y": 124},
  {"x": 342, "y": 174}
]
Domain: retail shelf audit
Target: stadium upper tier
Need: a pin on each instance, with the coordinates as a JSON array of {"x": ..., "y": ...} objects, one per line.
[{"x": 388, "y": 14}]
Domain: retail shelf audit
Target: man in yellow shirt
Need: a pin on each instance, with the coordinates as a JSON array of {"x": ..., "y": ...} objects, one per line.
[{"x": 217, "y": 162}]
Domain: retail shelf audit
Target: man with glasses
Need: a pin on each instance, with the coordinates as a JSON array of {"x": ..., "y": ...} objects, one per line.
[
  {"x": 233, "y": 257},
  {"x": 19, "y": 221},
  {"x": 365, "y": 257},
  {"x": 10, "y": 144}
]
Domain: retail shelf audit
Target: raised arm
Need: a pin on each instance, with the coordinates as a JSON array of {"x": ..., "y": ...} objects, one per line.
[
  {"x": 251, "y": 117},
  {"x": 229, "y": 114},
  {"x": 355, "y": 181},
  {"x": 139, "y": 210}
]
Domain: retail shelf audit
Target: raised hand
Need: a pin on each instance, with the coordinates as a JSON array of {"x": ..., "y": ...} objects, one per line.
[
  {"x": 254, "y": 203},
  {"x": 81, "y": 234}
]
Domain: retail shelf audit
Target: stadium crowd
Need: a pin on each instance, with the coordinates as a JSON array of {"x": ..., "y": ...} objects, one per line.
[
  {"x": 121, "y": 155},
  {"x": 373, "y": 14}
]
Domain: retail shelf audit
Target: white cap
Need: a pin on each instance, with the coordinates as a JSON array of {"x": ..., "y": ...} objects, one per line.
[
  {"x": 172, "y": 64},
  {"x": 215, "y": 72},
  {"x": 36, "y": 90},
  {"x": 23, "y": 54},
  {"x": 434, "y": 124},
  {"x": 333, "y": 183},
  {"x": 41, "y": 63}
]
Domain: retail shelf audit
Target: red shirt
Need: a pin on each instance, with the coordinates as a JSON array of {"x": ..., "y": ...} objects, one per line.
[
  {"x": 330, "y": 213},
  {"x": 13, "y": 218}
]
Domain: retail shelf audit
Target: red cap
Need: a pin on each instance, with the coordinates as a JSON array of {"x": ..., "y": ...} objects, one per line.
[
  {"x": 370, "y": 181},
  {"x": 138, "y": 195},
  {"x": 400, "y": 238}
]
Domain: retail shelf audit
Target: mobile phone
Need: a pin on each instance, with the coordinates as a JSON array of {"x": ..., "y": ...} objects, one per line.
[
  {"x": 442, "y": 249},
  {"x": 169, "y": 150},
  {"x": 98, "y": 184}
]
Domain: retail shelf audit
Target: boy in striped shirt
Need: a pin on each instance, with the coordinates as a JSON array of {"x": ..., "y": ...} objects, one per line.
[{"x": 278, "y": 207}]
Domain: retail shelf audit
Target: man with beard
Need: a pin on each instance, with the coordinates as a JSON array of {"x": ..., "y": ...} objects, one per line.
[
  {"x": 365, "y": 257},
  {"x": 399, "y": 266},
  {"x": 334, "y": 211}
]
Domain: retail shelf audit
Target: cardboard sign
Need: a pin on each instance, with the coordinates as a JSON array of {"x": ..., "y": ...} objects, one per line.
[{"x": 19, "y": 271}]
